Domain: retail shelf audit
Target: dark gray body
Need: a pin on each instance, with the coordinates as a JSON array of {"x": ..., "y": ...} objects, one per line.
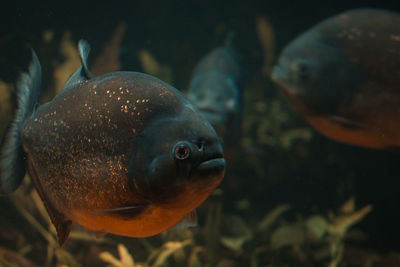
[{"x": 90, "y": 130}]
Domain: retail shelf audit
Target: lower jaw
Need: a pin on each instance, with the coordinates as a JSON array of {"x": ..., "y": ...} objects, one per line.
[{"x": 212, "y": 165}]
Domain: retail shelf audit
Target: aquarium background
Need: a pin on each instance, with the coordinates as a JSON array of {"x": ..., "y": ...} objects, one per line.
[{"x": 291, "y": 197}]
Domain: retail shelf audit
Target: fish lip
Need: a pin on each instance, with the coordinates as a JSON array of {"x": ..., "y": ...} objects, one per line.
[
  {"x": 215, "y": 162},
  {"x": 281, "y": 78},
  {"x": 278, "y": 74}
]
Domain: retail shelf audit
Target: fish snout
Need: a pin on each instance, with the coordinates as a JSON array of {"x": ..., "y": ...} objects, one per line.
[
  {"x": 279, "y": 75},
  {"x": 212, "y": 159},
  {"x": 282, "y": 78}
]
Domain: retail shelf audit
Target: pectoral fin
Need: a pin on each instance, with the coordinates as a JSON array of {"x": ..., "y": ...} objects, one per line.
[
  {"x": 124, "y": 212},
  {"x": 351, "y": 124}
]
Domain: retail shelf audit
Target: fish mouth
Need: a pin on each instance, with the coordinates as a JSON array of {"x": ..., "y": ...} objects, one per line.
[
  {"x": 213, "y": 163},
  {"x": 278, "y": 74},
  {"x": 281, "y": 78}
]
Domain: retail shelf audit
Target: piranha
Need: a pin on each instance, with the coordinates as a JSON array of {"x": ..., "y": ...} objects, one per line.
[
  {"x": 215, "y": 90},
  {"x": 343, "y": 76},
  {"x": 121, "y": 153}
]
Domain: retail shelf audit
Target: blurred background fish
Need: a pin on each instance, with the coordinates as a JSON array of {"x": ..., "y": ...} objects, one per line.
[
  {"x": 215, "y": 90},
  {"x": 343, "y": 75}
]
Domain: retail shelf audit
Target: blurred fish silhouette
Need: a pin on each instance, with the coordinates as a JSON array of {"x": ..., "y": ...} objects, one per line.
[
  {"x": 215, "y": 91},
  {"x": 343, "y": 75},
  {"x": 121, "y": 153},
  {"x": 108, "y": 60}
]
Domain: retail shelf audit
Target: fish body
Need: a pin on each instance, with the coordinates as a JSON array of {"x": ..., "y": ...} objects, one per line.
[
  {"x": 121, "y": 153},
  {"x": 215, "y": 91},
  {"x": 343, "y": 75}
]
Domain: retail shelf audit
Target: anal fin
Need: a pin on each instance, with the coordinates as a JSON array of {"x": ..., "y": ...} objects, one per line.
[
  {"x": 100, "y": 234},
  {"x": 63, "y": 226},
  {"x": 189, "y": 220},
  {"x": 61, "y": 223}
]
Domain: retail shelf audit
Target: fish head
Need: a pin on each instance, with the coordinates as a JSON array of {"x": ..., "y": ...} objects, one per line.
[
  {"x": 216, "y": 95},
  {"x": 315, "y": 75},
  {"x": 178, "y": 159}
]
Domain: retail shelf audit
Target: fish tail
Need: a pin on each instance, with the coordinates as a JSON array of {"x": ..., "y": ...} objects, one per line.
[{"x": 12, "y": 165}]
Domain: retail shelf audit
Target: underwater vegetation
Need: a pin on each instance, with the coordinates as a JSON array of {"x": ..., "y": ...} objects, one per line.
[
  {"x": 223, "y": 240},
  {"x": 290, "y": 197}
]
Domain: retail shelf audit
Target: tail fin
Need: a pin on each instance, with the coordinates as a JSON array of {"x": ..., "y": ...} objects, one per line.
[{"x": 12, "y": 166}]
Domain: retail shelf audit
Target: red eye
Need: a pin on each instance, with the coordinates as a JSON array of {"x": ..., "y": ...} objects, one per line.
[
  {"x": 182, "y": 151},
  {"x": 303, "y": 69}
]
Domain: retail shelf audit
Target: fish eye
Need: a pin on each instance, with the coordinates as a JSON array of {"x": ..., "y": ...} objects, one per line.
[
  {"x": 182, "y": 151},
  {"x": 303, "y": 69}
]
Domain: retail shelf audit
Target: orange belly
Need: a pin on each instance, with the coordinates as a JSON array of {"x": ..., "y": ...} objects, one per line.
[
  {"x": 358, "y": 137},
  {"x": 152, "y": 221},
  {"x": 155, "y": 219}
]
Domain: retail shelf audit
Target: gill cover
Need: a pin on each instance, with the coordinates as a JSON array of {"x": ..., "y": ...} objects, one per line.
[{"x": 161, "y": 163}]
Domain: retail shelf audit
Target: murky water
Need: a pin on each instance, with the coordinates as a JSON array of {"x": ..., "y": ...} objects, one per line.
[{"x": 290, "y": 197}]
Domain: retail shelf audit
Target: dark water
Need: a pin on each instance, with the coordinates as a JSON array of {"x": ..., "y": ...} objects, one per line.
[{"x": 314, "y": 177}]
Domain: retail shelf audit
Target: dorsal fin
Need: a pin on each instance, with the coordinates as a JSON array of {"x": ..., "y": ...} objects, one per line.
[
  {"x": 84, "y": 50},
  {"x": 83, "y": 73}
]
